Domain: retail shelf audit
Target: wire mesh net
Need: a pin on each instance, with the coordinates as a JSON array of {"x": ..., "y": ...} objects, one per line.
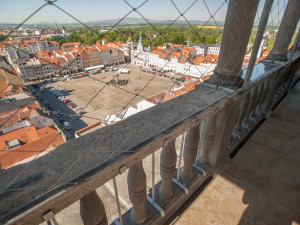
[{"x": 107, "y": 72}]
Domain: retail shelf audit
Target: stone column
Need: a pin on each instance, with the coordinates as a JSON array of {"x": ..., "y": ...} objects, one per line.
[
  {"x": 136, "y": 180},
  {"x": 92, "y": 210},
  {"x": 286, "y": 31},
  {"x": 190, "y": 152},
  {"x": 272, "y": 87},
  {"x": 167, "y": 169},
  {"x": 253, "y": 97},
  {"x": 238, "y": 25},
  {"x": 243, "y": 112},
  {"x": 262, "y": 96},
  {"x": 207, "y": 139}
]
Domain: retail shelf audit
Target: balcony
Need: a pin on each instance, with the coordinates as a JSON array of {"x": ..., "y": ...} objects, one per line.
[
  {"x": 235, "y": 145},
  {"x": 260, "y": 185}
]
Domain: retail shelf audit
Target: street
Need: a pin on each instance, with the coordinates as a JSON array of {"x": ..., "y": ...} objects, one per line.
[{"x": 46, "y": 97}]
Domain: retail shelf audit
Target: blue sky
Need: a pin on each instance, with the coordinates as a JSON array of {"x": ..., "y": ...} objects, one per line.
[{"x": 15, "y": 11}]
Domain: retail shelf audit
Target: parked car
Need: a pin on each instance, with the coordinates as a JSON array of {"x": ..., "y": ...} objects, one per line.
[
  {"x": 67, "y": 125},
  {"x": 70, "y": 103},
  {"x": 61, "y": 98},
  {"x": 66, "y": 100},
  {"x": 77, "y": 108},
  {"x": 72, "y": 106},
  {"x": 60, "y": 118}
]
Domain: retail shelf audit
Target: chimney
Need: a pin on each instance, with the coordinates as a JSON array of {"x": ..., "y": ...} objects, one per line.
[{"x": 7, "y": 146}]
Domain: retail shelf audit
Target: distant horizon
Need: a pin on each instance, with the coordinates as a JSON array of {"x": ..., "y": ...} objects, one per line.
[
  {"x": 15, "y": 11},
  {"x": 140, "y": 21}
]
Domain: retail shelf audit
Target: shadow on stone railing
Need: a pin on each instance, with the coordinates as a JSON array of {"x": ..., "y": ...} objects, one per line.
[{"x": 213, "y": 121}]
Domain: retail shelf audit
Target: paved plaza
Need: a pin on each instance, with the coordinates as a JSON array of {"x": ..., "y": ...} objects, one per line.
[{"x": 110, "y": 99}]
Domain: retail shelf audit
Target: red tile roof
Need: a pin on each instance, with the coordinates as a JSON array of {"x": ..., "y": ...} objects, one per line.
[
  {"x": 12, "y": 90},
  {"x": 71, "y": 44},
  {"x": 32, "y": 142},
  {"x": 12, "y": 117}
]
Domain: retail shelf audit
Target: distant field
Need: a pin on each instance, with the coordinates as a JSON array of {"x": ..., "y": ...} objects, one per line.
[{"x": 208, "y": 27}]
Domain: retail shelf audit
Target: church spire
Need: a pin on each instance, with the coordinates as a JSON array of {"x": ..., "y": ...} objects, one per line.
[
  {"x": 140, "y": 40},
  {"x": 140, "y": 47}
]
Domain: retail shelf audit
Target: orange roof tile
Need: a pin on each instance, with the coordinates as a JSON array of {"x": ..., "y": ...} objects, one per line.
[
  {"x": 71, "y": 44},
  {"x": 49, "y": 138},
  {"x": 12, "y": 117},
  {"x": 102, "y": 47}
]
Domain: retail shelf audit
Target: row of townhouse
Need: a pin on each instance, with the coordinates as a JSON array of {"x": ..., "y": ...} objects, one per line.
[
  {"x": 33, "y": 68},
  {"x": 72, "y": 58},
  {"x": 175, "y": 58},
  {"x": 22, "y": 47},
  {"x": 207, "y": 49}
]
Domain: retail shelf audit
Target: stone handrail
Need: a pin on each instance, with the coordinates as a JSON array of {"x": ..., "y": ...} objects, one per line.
[{"x": 214, "y": 120}]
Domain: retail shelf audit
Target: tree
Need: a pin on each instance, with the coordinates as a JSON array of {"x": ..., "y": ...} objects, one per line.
[
  {"x": 147, "y": 42},
  {"x": 60, "y": 42},
  {"x": 160, "y": 41},
  {"x": 2, "y": 37}
]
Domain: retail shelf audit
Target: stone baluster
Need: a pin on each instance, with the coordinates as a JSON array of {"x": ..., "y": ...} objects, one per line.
[
  {"x": 253, "y": 98},
  {"x": 272, "y": 88},
  {"x": 243, "y": 112},
  {"x": 257, "y": 100},
  {"x": 264, "y": 92},
  {"x": 92, "y": 210},
  {"x": 286, "y": 31},
  {"x": 190, "y": 152},
  {"x": 167, "y": 169},
  {"x": 137, "y": 192},
  {"x": 237, "y": 29},
  {"x": 207, "y": 139}
]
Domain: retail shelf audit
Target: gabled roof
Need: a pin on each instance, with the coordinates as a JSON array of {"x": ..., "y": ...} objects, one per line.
[
  {"x": 71, "y": 44},
  {"x": 10, "y": 118},
  {"x": 12, "y": 90}
]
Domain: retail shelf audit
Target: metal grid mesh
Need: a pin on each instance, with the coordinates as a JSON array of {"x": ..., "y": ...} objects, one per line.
[{"x": 137, "y": 92}]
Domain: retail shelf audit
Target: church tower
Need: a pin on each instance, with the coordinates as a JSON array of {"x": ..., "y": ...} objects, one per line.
[{"x": 140, "y": 46}]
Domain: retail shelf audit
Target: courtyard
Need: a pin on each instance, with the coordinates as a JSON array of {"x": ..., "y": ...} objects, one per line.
[{"x": 104, "y": 98}]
